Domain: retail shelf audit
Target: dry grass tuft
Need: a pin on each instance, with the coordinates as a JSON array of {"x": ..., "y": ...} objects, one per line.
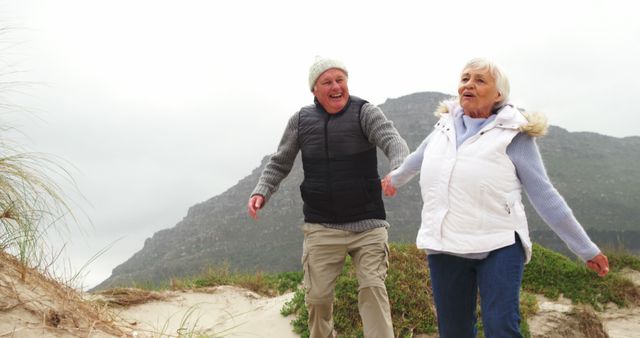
[
  {"x": 589, "y": 323},
  {"x": 130, "y": 296}
]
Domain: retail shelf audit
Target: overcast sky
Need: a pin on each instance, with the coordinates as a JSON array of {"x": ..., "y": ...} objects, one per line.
[{"x": 158, "y": 105}]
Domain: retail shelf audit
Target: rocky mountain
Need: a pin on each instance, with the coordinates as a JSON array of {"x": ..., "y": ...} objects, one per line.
[{"x": 598, "y": 175}]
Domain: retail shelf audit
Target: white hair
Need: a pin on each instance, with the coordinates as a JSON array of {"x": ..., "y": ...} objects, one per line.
[{"x": 502, "y": 82}]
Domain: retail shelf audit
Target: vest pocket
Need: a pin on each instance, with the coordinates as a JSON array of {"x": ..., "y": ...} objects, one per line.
[
  {"x": 348, "y": 196},
  {"x": 496, "y": 208},
  {"x": 356, "y": 196},
  {"x": 315, "y": 195},
  {"x": 373, "y": 193},
  {"x": 515, "y": 207}
]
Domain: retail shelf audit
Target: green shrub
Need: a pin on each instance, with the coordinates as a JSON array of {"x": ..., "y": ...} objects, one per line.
[
  {"x": 409, "y": 289},
  {"x": 409, "y": 292},
  {"x": 297, "y": 307},
  {"x": 620, "y": 259}
]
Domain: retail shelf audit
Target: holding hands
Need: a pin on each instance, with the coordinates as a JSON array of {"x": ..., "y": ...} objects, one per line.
[{"x": 387, "y": 188}]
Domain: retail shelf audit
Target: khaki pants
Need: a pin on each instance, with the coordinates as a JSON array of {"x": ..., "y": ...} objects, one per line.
[{"x": 323, "y": 255}]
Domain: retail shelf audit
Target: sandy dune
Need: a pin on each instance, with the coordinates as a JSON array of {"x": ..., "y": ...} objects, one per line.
[{"x": 221, "y": 311}]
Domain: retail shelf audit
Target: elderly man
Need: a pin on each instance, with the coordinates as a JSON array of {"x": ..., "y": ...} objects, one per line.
[{"x": 343, "y": 208}]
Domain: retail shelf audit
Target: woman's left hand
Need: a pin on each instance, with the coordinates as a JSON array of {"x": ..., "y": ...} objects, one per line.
[{"x": 599, "y": 264}]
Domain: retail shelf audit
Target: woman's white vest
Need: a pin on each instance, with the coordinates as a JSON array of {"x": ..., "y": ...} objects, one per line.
[{"x": 472, "y": 195}]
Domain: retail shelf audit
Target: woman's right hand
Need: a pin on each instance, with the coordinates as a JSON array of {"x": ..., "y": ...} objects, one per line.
[{"x": 387, "y": 187}]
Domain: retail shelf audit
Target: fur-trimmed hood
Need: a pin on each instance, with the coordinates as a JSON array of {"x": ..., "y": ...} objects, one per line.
[{"x": 536, "y": 125}]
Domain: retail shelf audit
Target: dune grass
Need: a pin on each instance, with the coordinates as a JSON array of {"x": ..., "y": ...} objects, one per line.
[{"x": 31, "y": 203}]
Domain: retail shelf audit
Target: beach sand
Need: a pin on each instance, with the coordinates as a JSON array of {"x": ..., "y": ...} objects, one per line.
[{"x": 218, "y": 311}]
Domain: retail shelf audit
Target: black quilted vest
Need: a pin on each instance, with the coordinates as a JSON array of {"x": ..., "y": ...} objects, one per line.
[{"x": 341, "y": 182}]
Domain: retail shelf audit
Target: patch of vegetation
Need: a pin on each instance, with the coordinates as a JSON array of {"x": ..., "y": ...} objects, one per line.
[
  {"x": 620, "y": 259},
  {"x": 409, "y": 292},
  {"x": 548, "y": 273},
  {"x": 262, "y": 283},
  {"x": 410, "y": 296},
  {"x": 297, "y": 307},
  {"x": 266, "y": 284},
  {"x": 409, "y": 289},
  {"x": 552, "y": 274}
]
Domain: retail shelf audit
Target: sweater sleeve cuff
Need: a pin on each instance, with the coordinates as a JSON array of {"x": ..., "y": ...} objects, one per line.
[
  {"x": 588, "y": 252},
  {"x": 395, "y": 164},
  {"x": 263, "y": 190}
]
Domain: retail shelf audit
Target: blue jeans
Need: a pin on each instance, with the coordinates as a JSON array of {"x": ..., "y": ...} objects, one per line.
[{"x": 456, "y": 280}]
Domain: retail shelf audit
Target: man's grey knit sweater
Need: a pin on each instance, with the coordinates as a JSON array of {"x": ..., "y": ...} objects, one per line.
[{"x": 376, "y": 127}]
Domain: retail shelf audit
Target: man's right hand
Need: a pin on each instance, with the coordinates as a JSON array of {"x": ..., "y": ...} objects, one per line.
[{"x": 255, "y": 203}]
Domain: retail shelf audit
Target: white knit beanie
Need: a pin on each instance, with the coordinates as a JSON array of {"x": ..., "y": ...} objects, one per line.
[{"x": 321, "y": 65}]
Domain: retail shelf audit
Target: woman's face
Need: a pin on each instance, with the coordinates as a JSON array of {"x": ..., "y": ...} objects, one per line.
[
  {"x": 331, "y": 90},
  {"x": 477, "y": 91}
]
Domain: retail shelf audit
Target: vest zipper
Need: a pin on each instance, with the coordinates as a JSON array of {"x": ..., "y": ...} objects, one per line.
[{"x": 326, "y": 153}]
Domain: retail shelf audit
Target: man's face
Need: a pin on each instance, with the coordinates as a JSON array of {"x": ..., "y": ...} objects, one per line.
[{"x": 331, "y": 90}]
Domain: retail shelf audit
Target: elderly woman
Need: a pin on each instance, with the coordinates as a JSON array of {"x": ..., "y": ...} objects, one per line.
[{"x": 474, "y": 165}]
